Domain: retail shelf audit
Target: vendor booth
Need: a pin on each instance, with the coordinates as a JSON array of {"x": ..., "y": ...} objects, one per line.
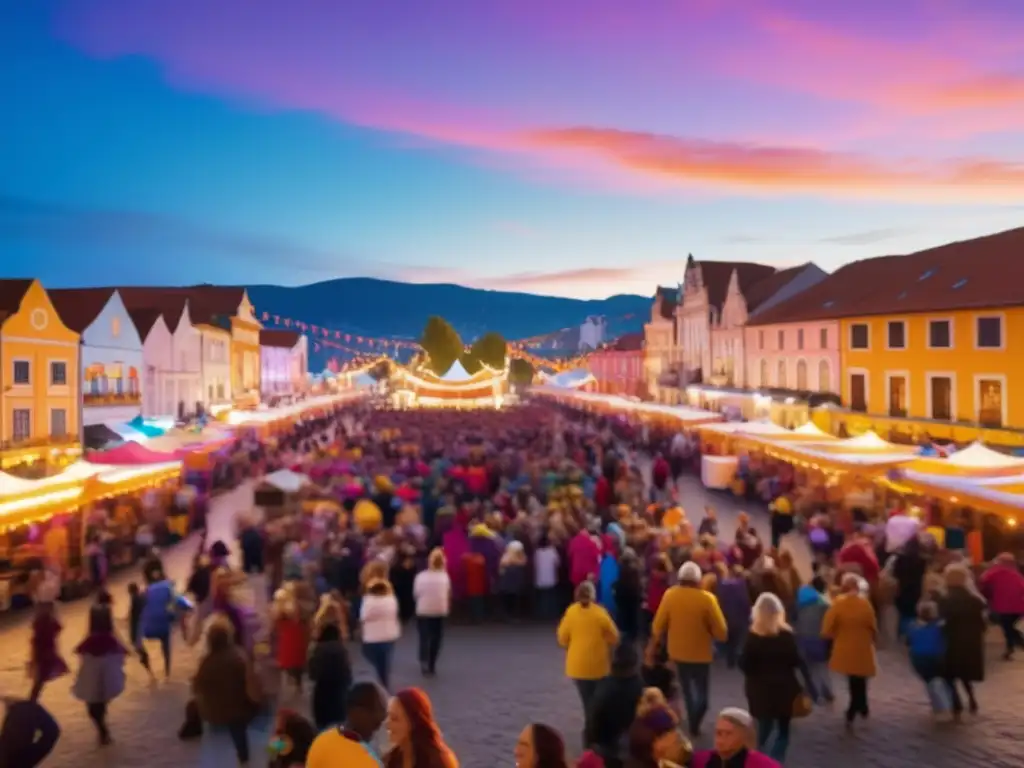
[
  {"x": 280, "y": 493},
  {"x": 675, "y": 416}
]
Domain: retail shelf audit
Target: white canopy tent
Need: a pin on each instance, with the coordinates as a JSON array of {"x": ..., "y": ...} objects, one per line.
[
  {"x": 978, "y": 456},
  {"x": 287, "y": 481},
  {"x": 457, "y": 373}
]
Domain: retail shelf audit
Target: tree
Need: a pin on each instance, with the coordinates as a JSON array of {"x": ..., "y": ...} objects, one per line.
[
  {"x": 470, "y": 362},
  {"x": 442, "y": 344},
  {"x": 490, "y": 349},
  {"x": 520, "y": 372},
  {"x": 380, "y": 371}
]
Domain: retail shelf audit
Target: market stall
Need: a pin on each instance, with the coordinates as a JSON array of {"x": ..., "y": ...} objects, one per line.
[
  {"x": 670, "y": 415},
  {"x": 974, "y": 461},
  {"x": 280, "y": 493}
]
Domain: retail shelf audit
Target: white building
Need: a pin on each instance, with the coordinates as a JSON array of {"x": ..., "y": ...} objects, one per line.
[
  {"x": 284, "y": 363},
  {"x": 593, "y": 332},
  {"x": 174, "y": 362},
  {"x": 172, "y": 351},
  {"x": 111, "y": 358}
]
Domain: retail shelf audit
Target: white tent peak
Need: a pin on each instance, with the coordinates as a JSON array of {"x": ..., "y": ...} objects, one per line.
[
  {"x": 286, "y": 480},
  {"x": 868, "y": 441},
  {"x": 978, "y": 456},
  {"x": 457, "y": 373},
  {"x": 811, "y": 429}
]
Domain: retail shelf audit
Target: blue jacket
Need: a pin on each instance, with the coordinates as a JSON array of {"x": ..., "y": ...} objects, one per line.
[
  {"x": 927, "y": 641},
  {"x": 606, "y": 583},
  {"x": 160, "y": 609},
  {"x": 811, "y": 607}
]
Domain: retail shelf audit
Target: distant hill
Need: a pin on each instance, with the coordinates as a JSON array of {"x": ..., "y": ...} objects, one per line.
[{"x": 386, "y": 309}]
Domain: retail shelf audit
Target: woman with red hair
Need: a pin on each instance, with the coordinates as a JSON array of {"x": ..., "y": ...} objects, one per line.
[{"x": 413, "y": 732}]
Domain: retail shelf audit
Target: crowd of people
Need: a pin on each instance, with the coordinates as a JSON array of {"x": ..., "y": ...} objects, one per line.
[{"x": 524, "y": 514}]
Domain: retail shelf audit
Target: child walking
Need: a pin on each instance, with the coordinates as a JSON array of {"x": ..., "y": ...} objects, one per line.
[
  {"x": 136, "y": 602},
  {"x": 927, "y": 642}
]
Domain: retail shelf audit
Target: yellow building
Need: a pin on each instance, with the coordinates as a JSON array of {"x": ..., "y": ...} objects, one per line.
[
  {"x": 934, "y": 337},
  {"x": 39, "y": 379}
]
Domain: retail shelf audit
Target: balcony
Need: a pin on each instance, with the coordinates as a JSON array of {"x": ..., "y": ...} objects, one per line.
[
  {"x": 111, "y": 399},
  {"x": 49, "y": 441}
]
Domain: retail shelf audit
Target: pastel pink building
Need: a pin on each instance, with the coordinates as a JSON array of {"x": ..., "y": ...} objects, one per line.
[
  {"x": 798, "y": 355},
  {"x": 618, "y": 369}
]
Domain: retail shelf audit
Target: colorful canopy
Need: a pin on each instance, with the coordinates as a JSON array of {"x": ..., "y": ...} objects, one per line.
[
  {"x": 130, "y": 454},
  {"x": 144, "y": 427}
]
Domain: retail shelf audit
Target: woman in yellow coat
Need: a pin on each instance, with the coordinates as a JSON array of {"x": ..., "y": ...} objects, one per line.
[
  {"x": 852, "y": 626},
  {"x": 589, "y": 635}
]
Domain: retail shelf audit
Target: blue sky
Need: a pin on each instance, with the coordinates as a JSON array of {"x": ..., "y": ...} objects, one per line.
[{"x": 139, "y": 147}]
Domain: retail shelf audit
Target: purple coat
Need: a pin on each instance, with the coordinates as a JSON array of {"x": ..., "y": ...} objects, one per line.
[
  {"x": 754, "y": 760},
  {"x": 734, "y": 600},
  {"x": 491, "y": 548}
]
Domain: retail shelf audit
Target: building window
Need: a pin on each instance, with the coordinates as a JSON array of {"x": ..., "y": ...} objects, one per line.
[
  {"x": 782, "y": 340},
  {"x": 824, "y": 377},
  {"x": 22, "y": 372},
  {"x": 58, "y": 422},
  {"x": 782, "y": 374},
  {"x": 760, "y": 340},
  {"x": 990, "y": 402},
  {"x": 940, "y": 334},
  {"x": 801, "y": 374},
  {"x": 942, "y": 398},
  {"x": 220, "y": 390},
  {"x": 764, "y": 374},
  {"x": 990, "y": 333},
  {"x": 859, "y": 392},
  {"x": 58, "y": 374},
  {"x": 859, "y": 336},
  {"x": 898, "y": 396},
  {"x": 823, "y": 338},
  {"x": 22, "y": 424},
  {"x": 896, "y": 334}
]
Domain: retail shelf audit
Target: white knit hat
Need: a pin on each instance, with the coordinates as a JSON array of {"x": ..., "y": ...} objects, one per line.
[{"x": 690, "y": 572}]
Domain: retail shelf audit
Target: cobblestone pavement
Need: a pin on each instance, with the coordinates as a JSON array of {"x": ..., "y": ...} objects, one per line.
[{"x": 494, "y": 679}]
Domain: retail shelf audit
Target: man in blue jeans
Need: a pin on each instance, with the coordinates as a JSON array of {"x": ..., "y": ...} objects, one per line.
[{"x": 690, "y": 622}]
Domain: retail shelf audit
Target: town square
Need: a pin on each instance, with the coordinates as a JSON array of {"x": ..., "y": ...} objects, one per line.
[{"x": 550, "y": 385}]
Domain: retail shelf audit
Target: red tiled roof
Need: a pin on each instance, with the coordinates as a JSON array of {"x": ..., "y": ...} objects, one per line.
[
  {"x": 970, "y": 274},
  {"x": 12, "y": 293},
  {"x": 630, "y": 342},
  {"x": 286, "y": 339},
  {"x": 79, "y": 307},
  {"x": 761, "y": 291},
  {"x": 717, "y": 274},
  {"x": 144, "y": 320}
]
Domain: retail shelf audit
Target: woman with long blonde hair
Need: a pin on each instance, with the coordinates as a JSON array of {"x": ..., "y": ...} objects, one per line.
[
  {"x": 770, "y": 660},
  {"x": 432, "y": 590}
]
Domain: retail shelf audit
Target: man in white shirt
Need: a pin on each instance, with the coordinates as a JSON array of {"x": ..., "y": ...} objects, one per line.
[{"x": 545, "y": 575}]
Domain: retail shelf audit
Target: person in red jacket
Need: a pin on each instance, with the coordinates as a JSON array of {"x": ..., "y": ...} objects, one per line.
[
  {"x": 475, "y": 566},
  {"x": 291, "y": 635},
  {"x": 859, "y": 552}
]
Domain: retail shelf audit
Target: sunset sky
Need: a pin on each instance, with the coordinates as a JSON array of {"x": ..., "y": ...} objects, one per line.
[{"x": 570, "y": 147}]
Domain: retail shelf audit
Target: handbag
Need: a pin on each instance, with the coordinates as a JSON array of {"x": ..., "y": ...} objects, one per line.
[{"x": 802, "y": 705}]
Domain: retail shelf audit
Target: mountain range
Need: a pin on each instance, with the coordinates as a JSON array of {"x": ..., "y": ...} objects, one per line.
[{"x": 374, "y": 308}]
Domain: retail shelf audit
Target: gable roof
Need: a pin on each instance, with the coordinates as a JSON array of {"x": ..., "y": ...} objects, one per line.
[
  {"x": 79, "y": 307},
  {"x": 144, "y": 320},
  {"x": 12, "y": 293},
  {"x": 763, "y": 290},
  {"x": 717, "y": 274},
  {"x": 273, "y": 338},
  {"x": 970, "y": 274},
  {"x": 170, "y": 304}
]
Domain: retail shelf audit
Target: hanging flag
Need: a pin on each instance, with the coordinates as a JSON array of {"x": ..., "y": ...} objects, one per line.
[
  {"x": 287, "y": 323},
  {"x": 266, "y": 315}
]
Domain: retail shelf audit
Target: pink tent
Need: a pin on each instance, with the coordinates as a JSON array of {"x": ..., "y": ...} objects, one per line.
[{"x": 130, "y": 454}]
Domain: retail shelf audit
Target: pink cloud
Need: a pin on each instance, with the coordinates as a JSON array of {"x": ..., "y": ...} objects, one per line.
[
  {"x": 935, "y": 83},
  {"x": 790, "y": 169}
]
